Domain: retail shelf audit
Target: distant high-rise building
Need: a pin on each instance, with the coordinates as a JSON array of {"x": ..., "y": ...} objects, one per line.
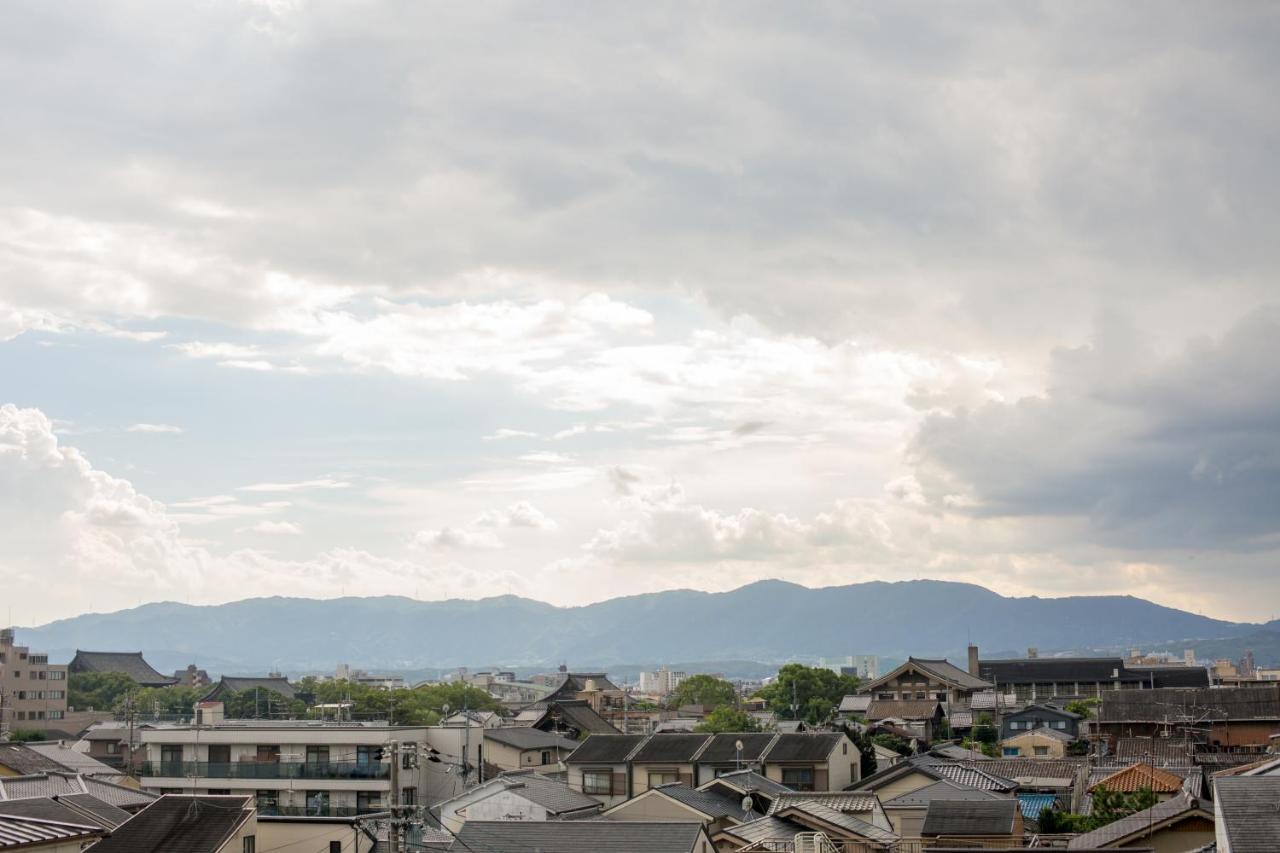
[
  {"x": 863, "y": 666},
  {"x": 661, "y": 682}
]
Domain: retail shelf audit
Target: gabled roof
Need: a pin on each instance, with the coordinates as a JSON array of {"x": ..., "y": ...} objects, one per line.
[
  {"x": 243, "y": 683},
  {"x": 1041, "y": 710},
  {"x": 767, "y": 828},
  {"x": 70, "y": 759},
  {"x": 1266, "y": 766},
  {"x": 1160, "y": 751},
  {"x": 845, "y": 825},
  {"x": 815, "y": 746},
  {"x": 1117, "y": 833},
  {"x": 1065, "y": 670},
  {"x": 1247, "y": 813},
  {"x": 944, "y": 789},
  {"x": 552, "y": 794},
  {"x": 909, "y": 709},
  {"x": 98, "y": 810},
  {"x": 890, "y": 774},
  {"x": 842, "y": 801},
  {"x": 955, "y": 752},
  {"x": 606, "y": 749},
  {"x": 671, "y": 748},
  {"x": 24, "y": 831},
  {"x": 971, "y": 817},
  {"x": 714, "y": 806},
  {"x": 128, "y": 663},
  {"x": 180, "y": 824},
  {"x": 70, "y": 808},
  {"x": 576, "y": 682},
  {"x": 523, "y": 737},
  {"x": 1040, "y": 769},
  {"x": 940, "y": 668},
  {"x": 579, "y": 836},
  {"x": 855, "y": 703},
  {"x": 973, "y": 776},
  {"x": 1043, "y": 731},
  {"x": 747, "y": 781},
  {"x": 723, "y": 747},
  {"x": 23, "y": 760},
  {"x": 1139, "y": 776},
  {"x": 60, "y": 784}
]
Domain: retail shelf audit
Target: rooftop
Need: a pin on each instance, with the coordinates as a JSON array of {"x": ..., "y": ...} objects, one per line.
[
  {"x": 579, "y": 836},
  {"x": 523, "y": 737},
  {"x": 25, "y": 831},
  {"x": 1139, "y": 776},
  {"x": 971, "y": 817},
  {"x": 1246, "y": 806},
  {"x": 128, "y": 663},
  {"x": 1117, "y": 832},
  {"x": 180, "y": 824}
]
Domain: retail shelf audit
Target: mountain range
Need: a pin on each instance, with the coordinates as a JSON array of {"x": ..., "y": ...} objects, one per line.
[{"x": 766, "y": 621}]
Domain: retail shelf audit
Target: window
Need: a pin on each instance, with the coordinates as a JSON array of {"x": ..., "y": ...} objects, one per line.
[
  {"x": 335, "y": 847},
  {"x": 844, "y": 748},
  {"x": 250, "y": 844},
  {"x": 409, "y": 796},
  {"x": 22, "y": 694},
  {"x": 1011, "y": 752},
  {"x": 1059, "y": 724},
  {"x": 1041, "y": 750},
  {"x": 113, "y": 748},
  {"x": 268, "y": 802},
  {"x": 57, "y": 675},
  {"x": 55, "y": 715},
  {"x": 22, "y": 715},
  {"x": 270, "y": 754},
  {"x": 318, "y": 803},
  {"x": 598, "y": 781},
  {"x": 219, "y": 792},
  {"x": 798, "y": 778},
  {"x": 317, "y": 755},
  {"x": 55, "y": 694},
  {"x": 368, "y": 801},
  {"x": 662, "y": 777}
]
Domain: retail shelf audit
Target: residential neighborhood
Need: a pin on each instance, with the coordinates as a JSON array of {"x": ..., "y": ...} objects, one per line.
[{"x": 1040, "y": 752}]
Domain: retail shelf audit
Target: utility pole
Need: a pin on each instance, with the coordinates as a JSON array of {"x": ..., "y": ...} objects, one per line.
[{"x": 393, "y": 831}]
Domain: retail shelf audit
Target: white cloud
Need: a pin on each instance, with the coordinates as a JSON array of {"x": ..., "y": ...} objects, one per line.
[
  {"x": 546, "y": 458},
  {"x": 501, "y": 434},
  {"x": 273, "y": 528},
  {"x": 324, "y": 483},
  {"x": 481, "y": 531},
  {"x": 160, "y": 428}
]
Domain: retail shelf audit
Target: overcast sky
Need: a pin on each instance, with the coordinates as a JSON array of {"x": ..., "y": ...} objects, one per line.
[{"x": 572, "y": 301}]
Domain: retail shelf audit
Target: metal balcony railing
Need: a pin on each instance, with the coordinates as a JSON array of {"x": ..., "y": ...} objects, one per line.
[
  {"x": 316, "y": 811},
  {"x": 267, "y": 769}
]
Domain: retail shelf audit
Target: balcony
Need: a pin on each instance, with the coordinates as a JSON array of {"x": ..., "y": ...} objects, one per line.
[
  {"x": 316, "y": 811},
  {"x": 266, "y": 770}
]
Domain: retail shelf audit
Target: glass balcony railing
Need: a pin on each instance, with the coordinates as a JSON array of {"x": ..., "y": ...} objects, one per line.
[
  {"x": 316, "y": 811},
  {"x": 267, "y": 769}
]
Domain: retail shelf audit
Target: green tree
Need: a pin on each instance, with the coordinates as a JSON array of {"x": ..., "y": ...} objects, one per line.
[
  {"x": 816, "y": 690},
  {"x": 866, "y": 750},
  {"x": 1083, "y": 707},
  {"x": 100, "y": 691},
  {"x": 1110, "y": 806},
  {"x": 416, "y": 706},
  {"x": 703, "y": 690},
  {"x": 726, "y": 718},
  {"x": 24, "y": 735},
  {"x": 897, "y": 744},
  {"x": 984, "y": 730},
  {"x": 260, "y": 705},
  {"x": 175, "y": 700}
]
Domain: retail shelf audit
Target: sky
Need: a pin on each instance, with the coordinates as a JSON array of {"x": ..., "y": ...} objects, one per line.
[{"x": 573, "y": 301}]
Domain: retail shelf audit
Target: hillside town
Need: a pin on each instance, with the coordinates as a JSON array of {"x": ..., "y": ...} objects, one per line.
[{"x": 853, "y": 754}]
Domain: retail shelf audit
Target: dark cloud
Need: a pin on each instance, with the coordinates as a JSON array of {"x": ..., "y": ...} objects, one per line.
[{"x": 1179, "y": 452}]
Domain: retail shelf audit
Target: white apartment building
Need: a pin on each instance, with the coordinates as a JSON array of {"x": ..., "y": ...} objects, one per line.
[
  {"x": 662, "y": 682},
  {"x": 306, "y": 767},
  {"x": 866, "y": 667}
]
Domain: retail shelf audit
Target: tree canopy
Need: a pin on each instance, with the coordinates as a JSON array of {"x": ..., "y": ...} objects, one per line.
[
  {"x": 410, "y": 706},
  {"x": 726, "y": 718},
  {"x": 101, "y": 691},
  {"x": 703, "y": 690},
  {"x": 817, "y": 692}
]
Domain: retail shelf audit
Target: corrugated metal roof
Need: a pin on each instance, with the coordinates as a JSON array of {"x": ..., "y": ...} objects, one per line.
[
  {"x": 19, "y": 831},
  {"x": 579, "y": 836},
  {"x": 1033, "y": 804}
]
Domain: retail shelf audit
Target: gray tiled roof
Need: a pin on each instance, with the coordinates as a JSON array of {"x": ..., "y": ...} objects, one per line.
[
  {"x": 552, "y": 794},
  {"x": 76, "y": 762},
  {"x": 971, "y": 817},
  {"x": 1033, "y": 768},
  {"x": 579, "y": 836},
  {"x": 722, "y": 748},
  {"x": 841, "y": 801},
  {"x": 99, "y": 810},
  {"x": 945, "y": 670},
  {"x": 179, "y": 824},
  {"x": 606, "y": 749},
  {"x": 942, "y": 790},
  {"x": 803, "y": 747},
  {"x": 847, "y": 822},
  {"x": 1248, "y": 814},
  {"x": 1119, "y": 830},
  {"x": 22, "y": 759},
  {"x": 968, "y": 774},
  {"x": 44, "y": 808},
  {"x": 749, "y": 780},
  {"x": 244, "y": 683},
  {"x": 912, "y": 709},
  {"x": 523, "y": 737},
  {"x": 23, "y": 831},
  {"x": 673, "y": 748},
  {"x": 1208, "y": 704},
  {"x": 767, "y": 828},
  {"x": 709, "y": 803}
]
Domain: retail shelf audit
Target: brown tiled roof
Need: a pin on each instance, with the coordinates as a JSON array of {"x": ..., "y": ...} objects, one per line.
[{"x": 1139, "y": 776}]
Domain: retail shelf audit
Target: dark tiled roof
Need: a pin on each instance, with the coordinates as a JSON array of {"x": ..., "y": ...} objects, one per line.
[
  {"x": 1172, "y": 676},
  {"x": 76, "y": 762},
  {"x": 803, "y": 747},
  {"x": 1115, "y": 833},
  {"x": 910, "y": 709},
  {"x": 1064, "y": 671},
  {"x": 749, "y": 780},
  {"x": 970, "y": 817},
  {"x": 44, "y": 808},
  {"x": 575, "y": 714},
  {"x": 1210, "y": 705},
  {"x": 61, "y": 784},
  {"x": 1250, "y": 818},
  {"x": 946, "y": 671},
  {"x": 942, "y": 790},
  {"x": 1160, "y": 751},
  {"x": 606, "y": 749},
  {"x": 1041, "y": 711},
  {"x": 129, "y": 663},
  {"x": 974, "y": 776},
  {"x": 847, "y": 825},
  {"x": 579, "y": 836},
  {"x": 243, "y": 683},
  {"x": 523, "y": 737},
  {"x": 765, "y": 829},
  {"x": 671, "y": 748},
  {"x": 721, "y": 750},
  {"x": 23, "y": 760},
  {"x": 24, "y": 831},
  {"x": 709, "y": 803},
  {"x": 1032, "y": 768},
  {"x": 180, "y": 824},
  {"x": 99, "y": 810}
]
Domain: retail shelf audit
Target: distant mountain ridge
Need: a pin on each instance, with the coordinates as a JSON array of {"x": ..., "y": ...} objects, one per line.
[{"x": 764, "y": 621}]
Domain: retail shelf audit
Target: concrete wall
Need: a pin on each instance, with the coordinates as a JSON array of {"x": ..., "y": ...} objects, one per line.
[{"x": 308, "y": 835}]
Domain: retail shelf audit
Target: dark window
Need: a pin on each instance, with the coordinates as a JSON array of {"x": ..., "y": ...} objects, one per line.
[
  {"x": 798, "y": 778},
  {"x": 368, "y": 801},
  {"x": 409, "y": 796},
  {"x": 546, "y": 757},
  {"x": 318, "y": 803},
  {"x": 317, "y": 755},
  {"x": 269, "y": 802},
  {"x": 335, "y": 847},
  {"x": 597, "y": 781},
  {"x": 250, "y": 844}
]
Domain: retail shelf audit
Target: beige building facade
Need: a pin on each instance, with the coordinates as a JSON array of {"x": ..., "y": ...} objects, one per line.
[{"x": 33, "y": 692}]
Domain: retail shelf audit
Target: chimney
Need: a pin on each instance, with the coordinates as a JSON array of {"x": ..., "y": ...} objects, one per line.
[{"x": 973, "y": 660}]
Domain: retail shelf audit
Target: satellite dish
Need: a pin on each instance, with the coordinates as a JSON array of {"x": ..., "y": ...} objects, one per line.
[
  {"x": 747, "y": 803},
  {"x": 737, "y": 744}
]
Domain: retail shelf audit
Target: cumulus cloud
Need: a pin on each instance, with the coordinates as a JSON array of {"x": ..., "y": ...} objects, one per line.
[
  {"x": 273, "y": 528},
  {"x": 482, "y": 531}
]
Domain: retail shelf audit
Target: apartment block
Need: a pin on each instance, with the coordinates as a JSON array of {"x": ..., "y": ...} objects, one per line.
[{"x": 32, "y": 690}]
